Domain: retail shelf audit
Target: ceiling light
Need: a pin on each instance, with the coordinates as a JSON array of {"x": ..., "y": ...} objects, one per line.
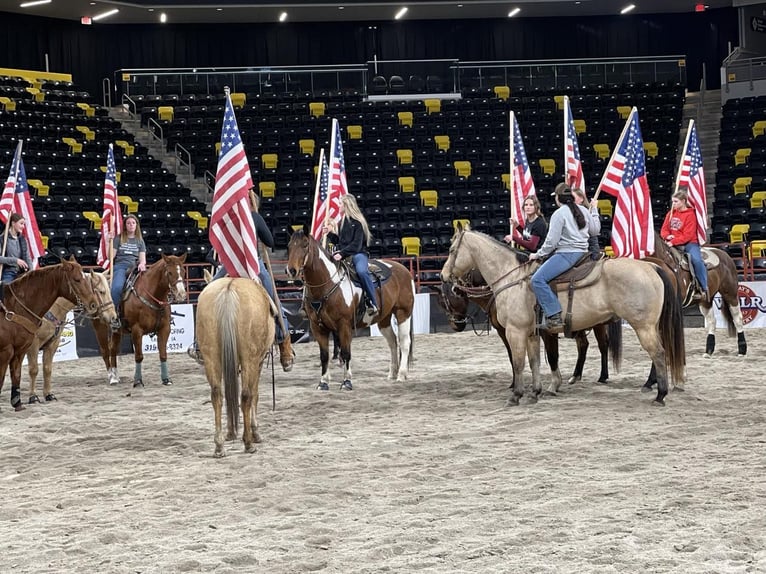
[
  {"x": 219, "y": 9},
  {"x": 103, "y": 15},
  {"x": 34, "y": 3},
  {"x": 459, "y": 5},
  {"x": 401, "y": 13},
  {"x": 163, "y": 17},
  {"x": 341, "y": 7},
  {"x": 151, "y": 9},
  {"x": 92, "y": 3},
  {"x": 627, "y": 8},
  {"x": 513, "y": 12},
  {"x": 283, "y": 16}
]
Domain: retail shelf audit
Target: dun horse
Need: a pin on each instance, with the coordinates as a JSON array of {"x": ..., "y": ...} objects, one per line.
[
  {"x": 48, "y": 336},
  {"x": 23, "y": 303},
  {"x": 330, "y": 300},
  {"x": 145, "y": 309},
  {"x": 636, "y": 291},
  {"x": 235, "y": 328}
]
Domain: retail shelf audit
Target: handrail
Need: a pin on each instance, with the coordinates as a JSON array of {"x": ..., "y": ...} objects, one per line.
[
  {"x": 153, "y": 132},
  {"x": 209, "y": 176},
  {"x": 179, "y": 151},
  {"x": 134, "y": 112},
  {"x": 106, "y": 86}
]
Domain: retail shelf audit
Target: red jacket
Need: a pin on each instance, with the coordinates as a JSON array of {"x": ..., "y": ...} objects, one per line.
[{"x": 682, "y": 225}]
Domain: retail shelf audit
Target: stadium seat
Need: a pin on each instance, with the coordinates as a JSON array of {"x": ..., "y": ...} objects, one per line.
[
  {"x": 238, "y": 100},
  {"x": 742, "y": 155},
  {"x": 462, "y": 168},
  {"x": 624, "y": 112},
  {"x": 602, "y": 150},
  {"x": 128, "y": 149},
  {"x": 267, "y": 188},
  {"x": 651, "y": 149},
  {"x": 200, "y": 219},
  {"x": 742, "y": 185},
  {"x": 407, "y": 184},
  {"x": 738, "y": 232},
  {"x": 307, "y": 146},
  {"x": 605, "y": 207},
  {"x": 94, "y": 218},
  {"x": 758, "y": 248},
  {"x": 548, "y": 166},
  {"x": 433, "y": 105},
  {"x": 502, "y": 92},
  {"x": 404, "y": 156},
  {"x": 40, "y": 188},
  {"x": 269, "y": 160},
  {"x": 411, "y": 246},
  {"x": 756, "y": 200},
  {"x": 580, "y": 126},
  {"x": 8, "y": 104},
  {"x": 506, "y": 177},
  {"x": 429, "y": 198},
  {"x": 74, "y": 145},
  {"x": 89, "y": 134},
  {"x": 165, "y": 113},
  {"x": 405, "y": 118},
  {"x": 759, "y": 128},
  {"x": 442, "y": 142},
  {"x": 317, "y": 109},
  {"x": 354, "y": 132},
  {"x": 462, "y": 222},
  {"x": 559, "y": 102}
]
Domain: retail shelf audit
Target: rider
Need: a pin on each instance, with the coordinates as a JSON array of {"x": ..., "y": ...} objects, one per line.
[
  {"x": 129, "y": 252},
  {"x": 593, "y": 247},
  {"x": 680, "y": 230},
  {"x": 532, "y": 235},
  {"x": 351, "y": 241},
  {"x": 16, "y": 259},
  {"x": 567, "y": 241}
]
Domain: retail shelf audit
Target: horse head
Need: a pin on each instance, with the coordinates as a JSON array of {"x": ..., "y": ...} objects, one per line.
[
  {"x": 298, "y": 252},
  {"x": 176, "y": 278},
  {"x": 459, "y": 261},
  {"x": 106, "y": 311},
  {"x": 80, "y": 292},
  {"x": 453, "y": 303}
]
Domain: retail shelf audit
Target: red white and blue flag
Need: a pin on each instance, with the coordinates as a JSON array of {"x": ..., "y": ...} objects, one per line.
[
  {"x": 16, "y": 199},
  {"x": 111, "y": 218},
  {"x": 338, "y": 182},
  {"x": 572, "y": 163},
  {"x": 232, "y": 232},
  {"x": 691, "y": 176},
  {"x": 522, "y": 185},
  {"x": 320, "y": 197},
  {"x": 625, "y": 178}
]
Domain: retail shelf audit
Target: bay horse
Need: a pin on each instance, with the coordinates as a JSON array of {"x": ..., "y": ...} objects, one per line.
[
  {"x": 48, "y": 336},
  {"x": 330, "y": 300},
  {"x": 637, "y": 291},
  {"x": 721, "y": 278},
  {"x": 145, "y": 309},
  {"x": 24, "y": 302},
  {"x": 235, "y": 329}
]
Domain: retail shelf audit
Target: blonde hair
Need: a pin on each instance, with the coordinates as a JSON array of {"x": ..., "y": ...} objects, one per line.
[
  {"x": 581, "y": 194},
  {"x": 351, "y": 209},
  {"x": 255, "y": 201},
  {"x": 124, "y": 233},
  {"x": 681, "y": 195}
]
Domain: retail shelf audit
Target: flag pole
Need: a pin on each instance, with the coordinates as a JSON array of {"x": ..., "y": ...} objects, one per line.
[
  {"x": 5, "y": 237},
  {"x": 316, "y": 194},
  {"x": 616, "y": 147},
  {"x": 566, "y": 135},
  {"x": 267, "y": 263},
  {"x": 511, "y": 120},
  {"x": 111, "y": 247},
  {"x": 683, "y": 153}
]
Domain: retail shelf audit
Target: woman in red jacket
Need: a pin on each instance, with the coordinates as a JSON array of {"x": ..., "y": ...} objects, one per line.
[{"x": 680, "y": 230}]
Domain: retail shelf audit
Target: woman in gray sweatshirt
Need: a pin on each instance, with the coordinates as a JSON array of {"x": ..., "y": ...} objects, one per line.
[{"x": 16, "y": 259}]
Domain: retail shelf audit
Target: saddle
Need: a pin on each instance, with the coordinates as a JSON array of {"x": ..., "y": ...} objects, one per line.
[
  {"x": 709, "y": 258},
  {"x": 379, "y": 272}
]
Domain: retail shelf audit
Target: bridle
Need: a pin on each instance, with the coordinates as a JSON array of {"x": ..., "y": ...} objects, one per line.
[
  {"x": 330, "y": 279},
  {"x": 150, "y": 300}
]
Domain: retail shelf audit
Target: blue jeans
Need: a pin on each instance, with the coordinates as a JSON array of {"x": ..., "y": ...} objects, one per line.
[
  {"x": 361, "y": 261},
  {"x": 119, "y": 276},
  {"x": 700, "y": 271},
  {"x": 9, "y": 275},
  {"x": 554, "y": 266}
]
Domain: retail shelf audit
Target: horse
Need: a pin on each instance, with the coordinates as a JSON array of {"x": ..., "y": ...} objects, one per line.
[
  {"x": 48, "y": 337},
  {"x": 636, "y": 291},
  {"x": 455, "y": 298},
  {"x": 330, "y": 300},
  {"x": 23, "y": 303},
  {"x": 721, "y": 278},
  {"x": 145, "y": 308},
  {"x": 235, "y": 330}
]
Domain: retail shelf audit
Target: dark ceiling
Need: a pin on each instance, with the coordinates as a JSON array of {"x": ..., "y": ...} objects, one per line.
[{"x": 200, "y": 11}]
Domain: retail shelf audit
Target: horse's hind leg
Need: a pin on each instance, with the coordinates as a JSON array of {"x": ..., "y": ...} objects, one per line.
[
  {"x": 345, "y": 336},
  {"x": 405, "y": 341},
  {"x": 649, "y": 339},
  {"x": 136, "y": 337},
  {"x": 390, "y": 337},
  {"x": 48, "y": 353},
  {"x": 322, "y": 337},
  {"x": 581, "y": 339},
  {"x": 214, "y": 378},
  {"x": 163, "y": 334},
  {"x": 249, "y": 401},
  {"x": 33, "y": 368}
]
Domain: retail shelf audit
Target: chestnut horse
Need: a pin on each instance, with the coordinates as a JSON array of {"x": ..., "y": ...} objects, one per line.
[
  {"x": 48, "y": 336},
  {"x": 235, "y": 329},
  {"x": 145, "y": 309},
  {"x": 637, "y": 291},
  {"x": 330, "y": 300},
  {"x": 24, "y": 302}
]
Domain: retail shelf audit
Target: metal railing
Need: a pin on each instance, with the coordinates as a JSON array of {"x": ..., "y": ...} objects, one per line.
[
  {"x": 155, "y": 130},
  {"x": 132, "y": 107},
  {"x": 180, "y": 153},
  {"x": 106, "y": 87}
]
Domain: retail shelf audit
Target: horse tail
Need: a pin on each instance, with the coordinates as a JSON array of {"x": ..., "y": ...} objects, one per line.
[
  {"x": 227, "y": 308},
  {"x": 731, "y": 269},
  {"x": 614, "y": 343},
  {"x": 731, "y": 328},
  {"x": 671, "y": 329},
  {"x": 410, "y": 356}
]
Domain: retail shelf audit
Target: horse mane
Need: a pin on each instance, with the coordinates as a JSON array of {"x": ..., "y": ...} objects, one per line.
[{"x": 40, "y": 279}]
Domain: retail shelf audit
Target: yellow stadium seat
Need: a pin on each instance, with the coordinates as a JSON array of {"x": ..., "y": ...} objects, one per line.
[
  {"x": 502, "y": 92},
  {"x": 433, "y": 105},
  {"x": 316, "y": 109},
  {"x": 165, "y": 113},
  {"x": 37, "y": 93},
  {"x": 267, "y": 188},
  {"x": 758, "y": 248},
  {"x": 506, "y": 177},
  {"x": 238, "y": 100},
  {"x": 74, "y": 145},
  {"x": 463, "y": 222},
  {"x": 559, "y": 102},
  {"x": 407, "y": 184},
  {"x": 199, "y": 218},
  {"x": 608, "y": 251},
  {"x": 44, "y": 239},
  {"x": 548, "y": 166},
  {"x": 757, "y": 199},
  {"x": 119, "y": 173},
  {"x": 217, "y": 149},
  {"x": 738, "y": 231},
  {"x": 87, "y": 108},
  {"x": 354, "y": 132},
  {"x": 429, "y": 198},
  {"x": 580, "y": 126},
  {"x": 404, "y": 156},
  {"x": 40, "y": 188},
  {"x": 89, "y": 134},
  {"x": 405, "y": 118},
  {"x": 759, "y": 128},
  {"x": 411, "y": 246},
  {"x": 125, "y": 145},
  {"x": 442, "y": 142},
  {"x": 269, "y": 160},
  {"x": 605, "y": 207},
  {"x": 130, "y": 205},
  {"x": 602, "y": 150},
  {"x": 307, "y": 146},
  {"x": 624, "y": 111},
  {"x": 742, "y": 155},
  {"x": 651, "y": 149},
  {"x": 94, "y": 218},
  {"x": 462, "y": 168},
  {"x": 742, "y": 185},
  {"x": 8, "y": 104}
]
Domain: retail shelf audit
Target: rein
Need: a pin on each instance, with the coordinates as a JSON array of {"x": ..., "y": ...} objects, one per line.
[{"x": 155, "y": 304}]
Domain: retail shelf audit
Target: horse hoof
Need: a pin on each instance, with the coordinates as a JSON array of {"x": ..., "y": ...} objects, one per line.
[
  {"x": 33, "y": 399},
  {"x": 550, "y": 394},
  {"x": 114, "y": 379},
  {"x": 658, "y": 403},
  {"x": 50, "y": 397},
  {"x": 647, "y": 388},
  {"x": 250, "y": 449},
  {"x": 346, "y": 386},
  {"x": 288, "y": 367},
  {"x": 603, "y": 381},
  {"x": 707, "y": 356},
  {"x": 219, "y": 453},
  {"x": 573, "y": 380},
  {"x": 19, "y": 407},
  {"x": 512, "y": 401},
  {"x": 679, "y": 388},
  {"x": 138, "y": 383},
  {"x": 323, "y": 387},
  {"x": 166, "y": 382}
]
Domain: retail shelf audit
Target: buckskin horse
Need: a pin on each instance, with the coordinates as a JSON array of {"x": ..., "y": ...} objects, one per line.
[
  {"x": 331, "y": 301},
  {"x": 145, "y": 309},
  {"x": 24, "y": 302},
  {"x": 637, "y": 291}
]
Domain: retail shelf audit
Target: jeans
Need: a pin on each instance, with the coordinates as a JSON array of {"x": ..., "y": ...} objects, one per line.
[
  {"x": 552, "y": 268},
  {"x": 361, "y": 261},
  {"x": 9, "y": 275},
  {"x": 700, "y": 271},
  {"x": 119, "y": 276}
]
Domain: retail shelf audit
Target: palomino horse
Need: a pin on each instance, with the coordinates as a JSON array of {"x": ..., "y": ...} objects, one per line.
[
  {"x": 48, "y": 337},
  {"x": 145, "y": 309},
  {"x": 23, "y": 303},
  {"x": 330, "y": 300},
  {"x": 455, "y": 298},
  {"x": 721, "y": 278},
  {"x": 636, "y": 291},
  {"x": 235, "y": 329}
]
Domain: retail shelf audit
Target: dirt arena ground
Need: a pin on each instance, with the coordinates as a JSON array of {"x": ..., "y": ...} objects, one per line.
[{"x": 434, "y": 476}]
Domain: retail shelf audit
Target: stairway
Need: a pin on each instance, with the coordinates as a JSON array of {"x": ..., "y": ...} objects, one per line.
[{"x": 707, "y": 115}]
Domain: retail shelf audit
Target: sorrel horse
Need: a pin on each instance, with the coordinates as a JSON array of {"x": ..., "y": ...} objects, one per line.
[
  {"x": 455, "y": 298},
  {"x": 23, "y": 303},
  {"x": 636, "y": 291},
  {"x": 48, "y": 336},
  {"x": 722, "y": 278},
  {"x": 235, "y": 329},
  {"x": 330, "y": 300},
  {"x": 145, "y": 309}
]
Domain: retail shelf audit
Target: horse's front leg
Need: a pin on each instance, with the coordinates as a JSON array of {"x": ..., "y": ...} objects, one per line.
[
  {"x": 709, "y": 316},
  {"x": 15, "y": 368},
  {"x": 533, "y": 354},
  {"x": 48, "y": 353},
  {"x": 322, "y": 337},
  {"x": 518, "y": 343},
  {"x": 403, "y": 352},
  {"x": 136, "y": 336},
  {"x": 33, "y": 368},
  {"x": 390, "y": 337},
  {"x": 581, "y": 339},
  {"x": 163, "y": 334},
  {"x": 345, "y": 336},
  {"x": 105, "y": 339}
]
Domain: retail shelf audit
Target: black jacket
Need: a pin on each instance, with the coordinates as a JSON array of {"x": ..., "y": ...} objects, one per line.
[{"x": 350, "y": 240}]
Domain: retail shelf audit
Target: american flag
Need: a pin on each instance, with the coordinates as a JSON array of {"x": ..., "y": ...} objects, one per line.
[
  {"x": 573, "y": 165},
  {"x": 111, "y": 216},
  {"x": 625, "y": 178},
  {"x": 691, "y": 176},
  {"x": 320, "y": 197},
  {"x": 522, "y": 185},
  {"x": 232, "y": 232},
  {"x": 16, "y": 199},
  {"x": 338, "y": 183}
]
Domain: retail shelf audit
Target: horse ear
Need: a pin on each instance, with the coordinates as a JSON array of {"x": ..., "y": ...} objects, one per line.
[
  {"x": 306, "y": 230},
  {"x": 183, "y": 258}
]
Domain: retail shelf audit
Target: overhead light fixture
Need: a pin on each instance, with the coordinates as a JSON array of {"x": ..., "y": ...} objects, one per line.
[
  {"x": 35, "y": 3},
  {"x": 103, "y": 15},
  {"x": 283, "y": 16},
  {"x": 341, "y": 7},
  {"x": 627, "y": 8},
  {"x": 400, "y": 14},
  {"x": 219, "y": 9},
  {"x": 513, "y": 12},
  {"x": 151, "y": 9},
  {"x": 163, "y": 17}
]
